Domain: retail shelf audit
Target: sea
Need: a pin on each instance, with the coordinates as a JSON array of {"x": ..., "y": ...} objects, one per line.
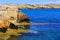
[{"x": 44, "y": 24}]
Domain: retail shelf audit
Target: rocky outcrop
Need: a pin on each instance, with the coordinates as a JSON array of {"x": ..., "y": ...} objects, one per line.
[
  {"x": 9, "y": 16},
  {"x": 22, "y": 17}
]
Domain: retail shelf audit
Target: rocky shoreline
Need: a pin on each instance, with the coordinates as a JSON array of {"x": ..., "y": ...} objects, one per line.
[
  {"x": 37, "y": 5},
  {"x": 33, "y": 5},
  {"x": 10, "y": 16}
]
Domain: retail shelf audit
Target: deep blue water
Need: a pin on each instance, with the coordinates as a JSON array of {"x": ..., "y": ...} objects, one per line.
[
  {"x": 42, "y": 31},
  {"x": 42, "y": 14}
]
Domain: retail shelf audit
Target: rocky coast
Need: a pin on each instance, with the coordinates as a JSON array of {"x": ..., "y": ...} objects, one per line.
[
  {"x": 10, "y": 16},
  {"x": 13, "y": 21}
]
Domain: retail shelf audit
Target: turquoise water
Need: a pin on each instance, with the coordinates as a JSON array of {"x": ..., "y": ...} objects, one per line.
[{"x": 42, "y": 31}]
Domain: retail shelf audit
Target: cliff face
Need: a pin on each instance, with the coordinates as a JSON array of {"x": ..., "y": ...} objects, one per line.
[{"x": 11, "y": 14}]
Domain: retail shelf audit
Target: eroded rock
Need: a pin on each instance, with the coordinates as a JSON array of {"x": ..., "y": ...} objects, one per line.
[
  {"x": 22, "y": 17},
  {"x": 3, "y": 30},
  {"x": 9, "y": 16},
  {"x": 12, "y": 26}
]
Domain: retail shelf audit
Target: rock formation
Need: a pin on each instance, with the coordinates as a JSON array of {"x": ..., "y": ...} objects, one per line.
[
  {"x": 22, "y": 17},
  {"x": 9, "y": 16}
]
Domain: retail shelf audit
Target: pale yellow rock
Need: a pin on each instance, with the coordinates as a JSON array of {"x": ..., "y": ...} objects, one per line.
[
  {"x": 10, "y": 13},
  {"x": 31, "y": 5}
]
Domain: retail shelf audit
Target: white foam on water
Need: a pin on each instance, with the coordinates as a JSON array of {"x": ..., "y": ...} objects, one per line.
[{"x": 32, "y": 31}]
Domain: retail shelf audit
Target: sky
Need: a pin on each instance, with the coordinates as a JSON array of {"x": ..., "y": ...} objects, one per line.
[{"x": 29, "y": 1}]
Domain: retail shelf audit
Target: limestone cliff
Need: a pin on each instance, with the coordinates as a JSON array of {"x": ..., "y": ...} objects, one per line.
[{"x": 11, "y": 14}]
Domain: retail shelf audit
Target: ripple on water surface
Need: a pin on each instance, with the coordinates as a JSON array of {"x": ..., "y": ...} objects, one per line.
[{"x": 45, "y": 32}]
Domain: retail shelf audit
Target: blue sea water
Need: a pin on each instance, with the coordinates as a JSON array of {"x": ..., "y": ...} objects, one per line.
[
  {"x": 42, "y": 14},
  {"x": 42, "y": 31}
]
